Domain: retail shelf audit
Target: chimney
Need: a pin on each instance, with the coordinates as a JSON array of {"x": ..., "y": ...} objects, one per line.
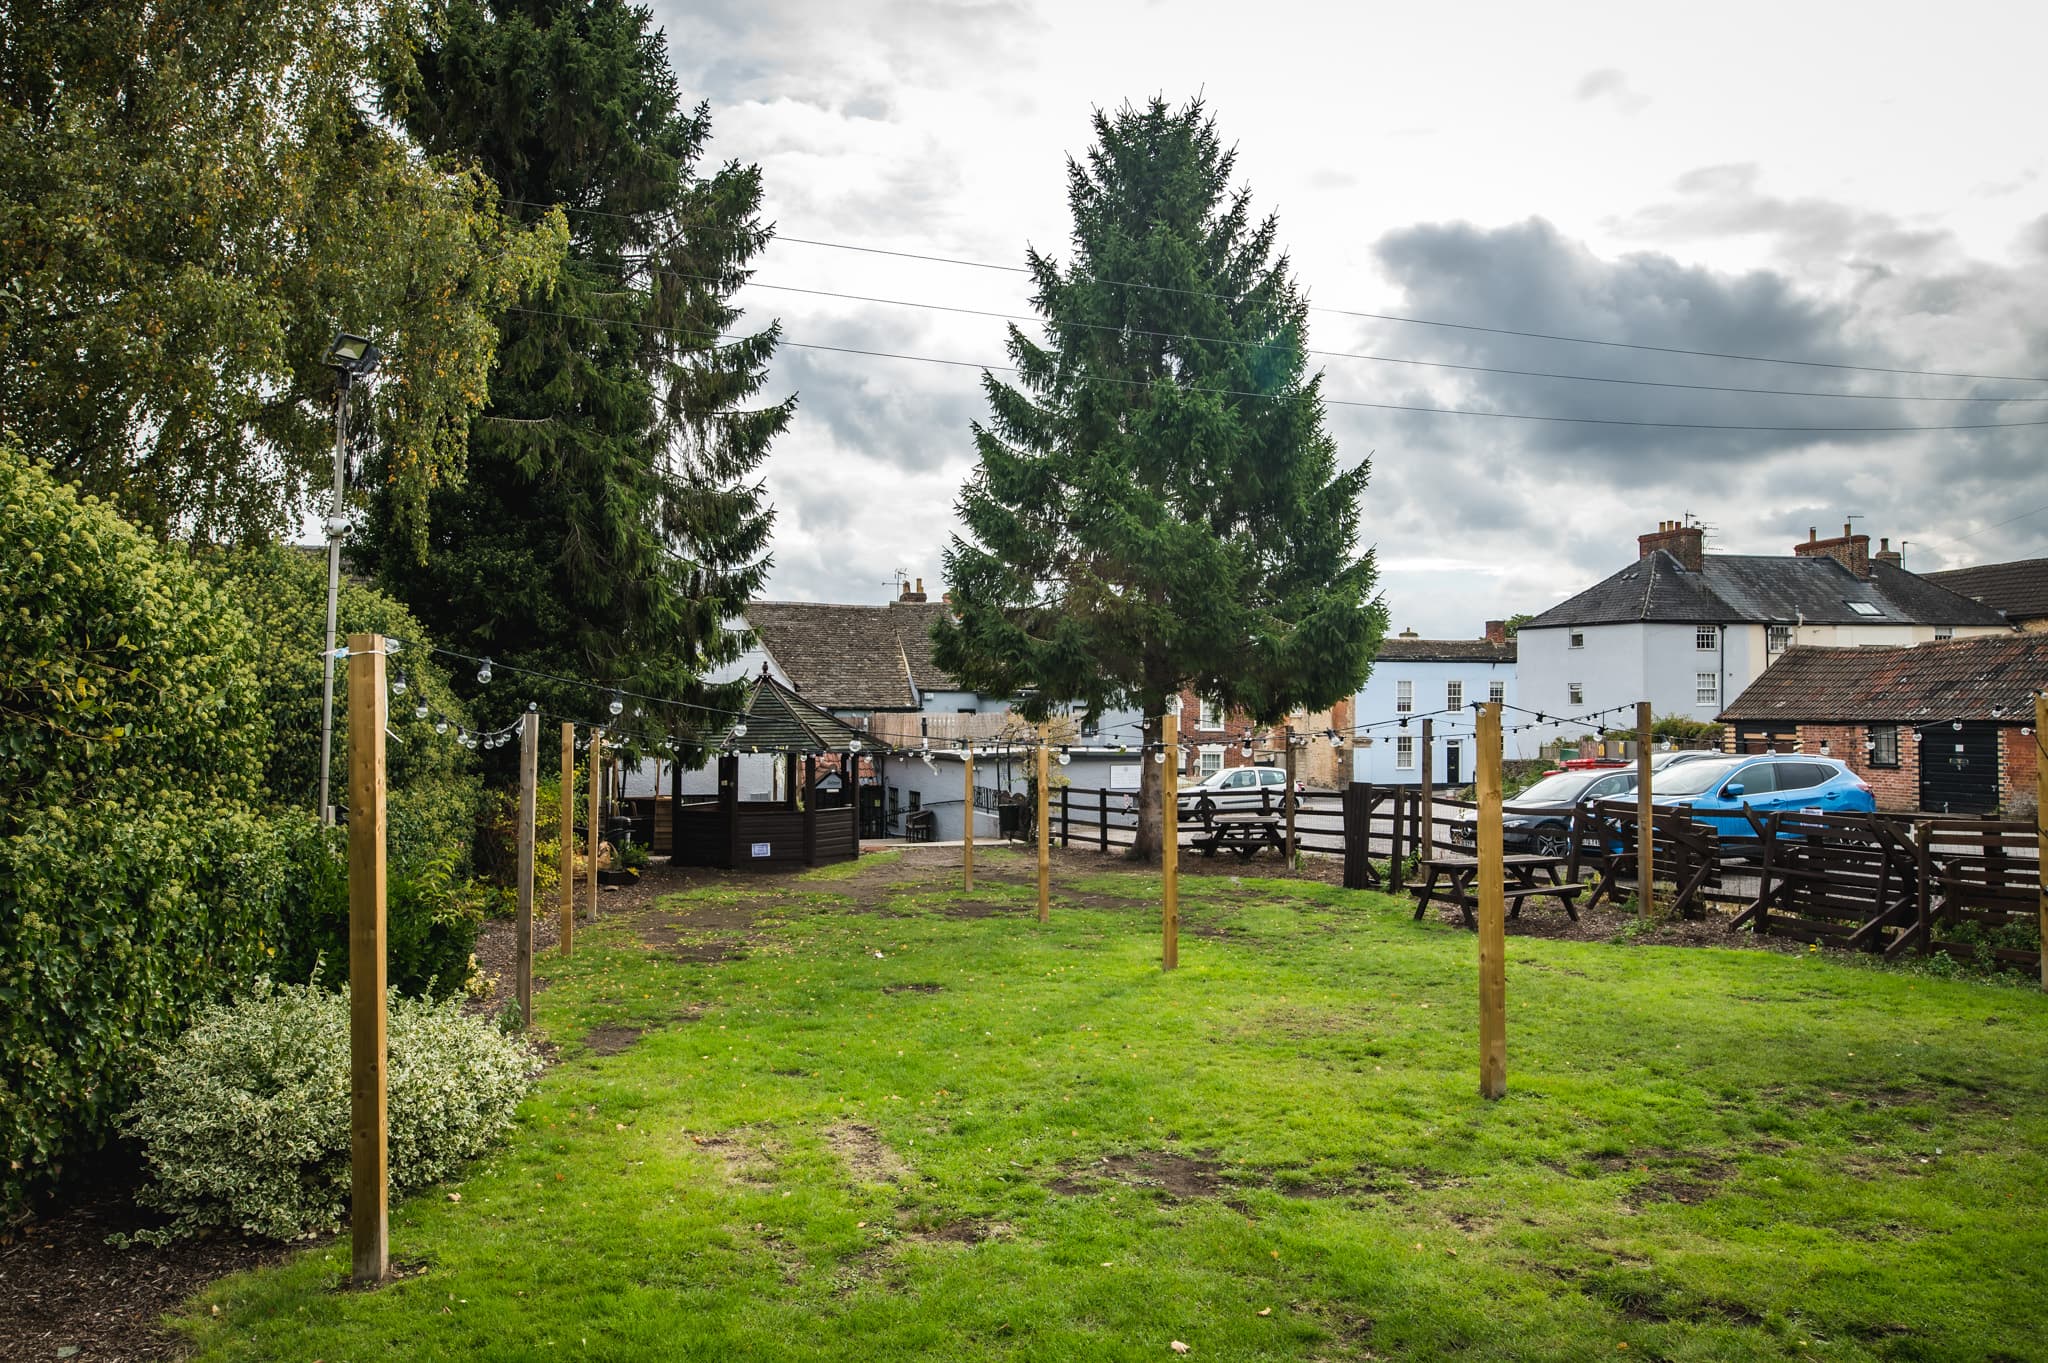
[
  {"x": 1496, "y": 631},
  {"x": 1850, "y": 549},
  {"x": 910, "y": 594},
  {"x": 1408, "y": 634},
  {"x": 1886, "y": 554},
  {"x": 1686, "y": 543}
]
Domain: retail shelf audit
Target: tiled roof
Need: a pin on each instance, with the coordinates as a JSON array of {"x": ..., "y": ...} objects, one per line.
[
  {"x": 2020, "y": 588},
  {"x": 1959, "y": 679},
  {"x": 852, "y": 657},
  {"x": 1398, "y": 650},
  {"x": 780, "y": 720},
  {"x": 1740, "y": 589}
]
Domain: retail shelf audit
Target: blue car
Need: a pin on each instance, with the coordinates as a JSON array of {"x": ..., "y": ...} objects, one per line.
[{"x": 1720, "y": 789}]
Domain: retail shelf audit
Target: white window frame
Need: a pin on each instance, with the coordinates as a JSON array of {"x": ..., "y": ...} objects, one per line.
[
  {"x": 1575, "y": 693},
  {"x": 1496, "y": 693},
  {"x": 1208, "y": 760},
  {"x": 1706, "y": 688},
  {"x": 1404, "y": 696},
  {"x": 1705, "y": 638},
  {"x": 1454, "y": 694},
  {"x": 1865, "y": 609},
  {"x": 1404, "y": 752},
  {"x": 1777, "y": 638},
  {"x": 1208, "y": 715},
  {"x": 1576, "y": 639},
  {"x": 1944, "y": 632}
]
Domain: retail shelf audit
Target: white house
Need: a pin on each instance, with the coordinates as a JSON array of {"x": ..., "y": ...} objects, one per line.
[
  {"x": 1413, "y": 677},
  {"x": 1688, "y": 631}
]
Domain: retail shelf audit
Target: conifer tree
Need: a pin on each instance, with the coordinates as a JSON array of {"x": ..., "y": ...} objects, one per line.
[
  {"x": 1157, "y": 503},
  {"x": 611, "y": 520}
]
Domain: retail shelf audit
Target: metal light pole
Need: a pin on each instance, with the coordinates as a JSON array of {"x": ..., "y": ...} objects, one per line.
[{"x": 350, "y": 357}]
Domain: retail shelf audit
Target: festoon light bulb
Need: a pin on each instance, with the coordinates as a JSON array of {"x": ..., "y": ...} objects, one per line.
[{"x": 483, "y": 672}]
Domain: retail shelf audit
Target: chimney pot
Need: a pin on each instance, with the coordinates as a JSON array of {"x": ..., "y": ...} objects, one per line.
[{"x": 1812, "y": 534}]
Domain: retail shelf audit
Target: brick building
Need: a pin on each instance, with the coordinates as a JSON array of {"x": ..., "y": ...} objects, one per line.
[
  {"x": 1945, "y": 727},
  {"x": 1218, "y": 738}
]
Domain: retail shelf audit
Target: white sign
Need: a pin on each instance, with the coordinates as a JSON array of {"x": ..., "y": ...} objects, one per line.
[
  {"x": 762, "y": 849},
  {"x": 1124, "y": 775}
]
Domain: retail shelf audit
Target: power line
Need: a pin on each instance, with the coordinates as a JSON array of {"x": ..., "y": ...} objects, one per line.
[
  {"x": 1334, "y": 402},
  {"x": 1341, "y": 354},
  {"x": 1369, "y": 316}
]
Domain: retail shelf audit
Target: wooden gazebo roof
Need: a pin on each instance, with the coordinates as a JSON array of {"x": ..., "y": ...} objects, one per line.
[{"x": 780, "y": 720}]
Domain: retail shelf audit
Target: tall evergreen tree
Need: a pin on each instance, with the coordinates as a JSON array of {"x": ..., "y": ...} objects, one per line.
[
  {"x": 1157, "y": 503},
  {"x": 610, "y": 521}
]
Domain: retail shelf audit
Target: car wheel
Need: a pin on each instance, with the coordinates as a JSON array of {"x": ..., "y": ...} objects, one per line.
[{"x": 1552, "y": 842}]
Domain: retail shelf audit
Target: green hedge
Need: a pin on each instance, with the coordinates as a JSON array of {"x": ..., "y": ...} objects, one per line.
[{"x": 141, "y": 880}]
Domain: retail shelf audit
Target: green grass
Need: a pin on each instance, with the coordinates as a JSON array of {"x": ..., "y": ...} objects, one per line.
[{"x": 1703, "y": 1155}]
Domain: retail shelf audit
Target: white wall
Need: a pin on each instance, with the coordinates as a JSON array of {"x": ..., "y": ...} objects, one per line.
[{"x": 1374, "y": 760}]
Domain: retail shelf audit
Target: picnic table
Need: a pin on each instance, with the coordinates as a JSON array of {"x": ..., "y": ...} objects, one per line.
[
  {"x": 1243, "y": 834},
  {"x": 1526, "y": 875}
]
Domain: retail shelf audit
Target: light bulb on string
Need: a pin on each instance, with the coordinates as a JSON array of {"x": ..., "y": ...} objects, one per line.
[
  {"x": 1957, "y": 725},
  {"x": 1336, "y": 740},
  {"x": 853, "y": 745},
  {"x": 739, "y": 730},
  {"x": 1159, "y": 756},
  {"x": 420, "y": 711},
  {"x": 533, "y": 707},
  {"x": 1065, "y": 757},
  {"x": 398, "y": 685},
  {"x": 440, "y": 726},
  {"x": 483, "y": 673},
  {"x": 618, "y": 704}
]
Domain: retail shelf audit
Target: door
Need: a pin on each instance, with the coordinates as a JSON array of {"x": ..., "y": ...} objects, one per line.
[
  {"x": 1959, "y": 769},
  {"x": 1759, "y": 782},
  {"x": 1454, "y": 768}
]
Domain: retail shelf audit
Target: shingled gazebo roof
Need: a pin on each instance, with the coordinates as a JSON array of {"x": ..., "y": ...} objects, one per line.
[{"x": 779, "y": 720}]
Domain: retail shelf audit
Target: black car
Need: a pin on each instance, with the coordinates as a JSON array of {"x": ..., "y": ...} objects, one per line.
[{"x": 1535, "y": 821}]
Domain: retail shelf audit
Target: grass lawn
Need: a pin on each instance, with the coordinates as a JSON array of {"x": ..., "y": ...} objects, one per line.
[{"x": 860, "y": 1115}]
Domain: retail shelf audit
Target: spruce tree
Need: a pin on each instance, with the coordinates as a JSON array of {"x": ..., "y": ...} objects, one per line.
[
  {"x": 611, "y": 520},
  {"x": 1157, "y": 503}
]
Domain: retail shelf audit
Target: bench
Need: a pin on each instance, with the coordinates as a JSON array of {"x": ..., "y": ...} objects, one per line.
[{"x": 1243, "y": 834}]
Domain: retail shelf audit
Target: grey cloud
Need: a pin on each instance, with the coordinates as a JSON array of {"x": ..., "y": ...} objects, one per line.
[{"x": 1612, "y": 85}]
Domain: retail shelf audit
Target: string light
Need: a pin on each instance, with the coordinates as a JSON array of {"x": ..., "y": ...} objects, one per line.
[
  {"x": 420, "y": 711},
  {"x": 618, "y": 704},
  {"x": 398, "y": 685},
  {"x": 483, "y": 673}
]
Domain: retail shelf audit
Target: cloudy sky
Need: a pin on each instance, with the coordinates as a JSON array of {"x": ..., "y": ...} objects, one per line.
[{"x": 1858, "y": 185}]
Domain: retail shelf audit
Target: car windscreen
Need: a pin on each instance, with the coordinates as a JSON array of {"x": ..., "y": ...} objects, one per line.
[
  {"x": 1562, "y": 789},
  {"x": 1693, "y": 778}
]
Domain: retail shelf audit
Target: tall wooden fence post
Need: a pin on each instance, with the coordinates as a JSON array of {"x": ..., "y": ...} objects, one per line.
[
  {"x": 1395, "y": 860},
  {"x": 1044, "y": 825},
  {"x": 1169, "y": 849},
  {"x": 596, "y": 810},
  {"x": 1646, "y": 824},
  {"x": 369, "y": 1117},
  {"x": 568, "y": 841},
  {"x": 1425, "y": 804},
  {"x": 529, "y": 778},
  {"x": 1493, "y": 984},
  {"x": 1287, "y": 739},
  {"x": 967, "y": 822},
  {"x": 2041, "y": 820}
]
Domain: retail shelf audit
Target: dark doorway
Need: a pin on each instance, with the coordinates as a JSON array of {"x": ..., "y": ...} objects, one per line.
[
  {"x": 1454, "y": 768},
  {"x": 1959, "y": 769}
]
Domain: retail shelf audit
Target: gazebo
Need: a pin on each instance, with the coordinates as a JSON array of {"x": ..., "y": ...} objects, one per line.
[{"x": 774, "y": 834}]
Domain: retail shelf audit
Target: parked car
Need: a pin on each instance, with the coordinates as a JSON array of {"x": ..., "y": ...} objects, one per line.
[
  {"x": 1663, "y": 761},
  {"x": 1718, "y": 791},
  {"x": 1534, "y": 822},
  {"x": 1237, "y": 788}
]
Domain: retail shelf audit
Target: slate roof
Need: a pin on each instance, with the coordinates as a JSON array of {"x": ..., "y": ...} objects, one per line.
[
  {"x": 853, "y": 657},
  {"x": 1957, "y": 679},
  {"x": 1398, "y": 650},
  {"x": 2020, "y": 588},
  {"x": 1757, "y": 589},
  {"x": 780, "y": 720}
]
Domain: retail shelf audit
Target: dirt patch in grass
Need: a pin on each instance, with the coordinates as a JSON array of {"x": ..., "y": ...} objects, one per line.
[
  {"x": 980, "y": 910},
  {"x": 611, "y": 1038},
  {"x": 748, "y": 1157},
  {"x": 865, "y": 1155},
  {"x": 1177, "y": 1176},
  {"x": 967, "y": 1230},
  {"x": 912, "y": 988}
]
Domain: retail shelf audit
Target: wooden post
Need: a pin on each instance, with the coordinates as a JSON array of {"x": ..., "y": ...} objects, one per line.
[
  {"x": 1044, "y": 825},
  {"x": 529, "y": 755},
  {"x": 1493, "y": 983},
  {"x": 967, "y": 824},
  {"x": 1169, "y": 849},
  {"x": 1395, "y": 869},
  {"x": 1287, "y": 737},
  {"x": 568, "y": 847},
  {"x": 596, "y": 778},
  {"x": 369, "y": 1118},
  {"x": 1646, "y": 824},
  {"x": 2041, "y": 819},
  {"x": 810, "y": 810},
  {"x": 1102, "y": 819},
  {"x": 1425, "y": 804}
]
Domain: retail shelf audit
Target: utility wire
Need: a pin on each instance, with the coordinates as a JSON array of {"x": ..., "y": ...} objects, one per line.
[
  {"x": 1330, "y": 401},
  {"x": 1338, "y": 354},
  {"x": 1365, "y": 315}
]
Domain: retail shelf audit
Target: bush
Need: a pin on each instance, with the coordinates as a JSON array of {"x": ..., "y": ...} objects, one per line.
[
  {"x": 431, "y": 917},
  {"x": 139, "y": 881},
  {"x": 244, "y": 1121}
]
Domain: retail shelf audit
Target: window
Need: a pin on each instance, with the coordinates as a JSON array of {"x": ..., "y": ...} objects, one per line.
[
  {"x": 1864, "y": 608},
  {"x": 1758, "y": 778},
  {"x": 1777, "y": 638},
  {"x": 1944, "y": 631},
  {"x": 1454, "y": 695},
  {"x": 1803, "y": 775},
  {"x": 1497, "y": 692},
  {"x": 1706, "y": 687},
  {"x": 1211, "y": 763},
  {"x": 1575, "y": 693},
  {"x": 1883, "y": 745},
  {"x": 1404, "y": 697},
  {"x": 1209, "y": 716},
  {"x": 1705, "y": 637},
  {"x": 1578, "y": 638},
  {"x": 1404, "y": 753}
]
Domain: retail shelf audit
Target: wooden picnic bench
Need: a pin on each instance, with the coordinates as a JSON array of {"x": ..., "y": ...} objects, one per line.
[
  {"x": 1243, "y": 834},
  {"x": 1527, "y": 876}
]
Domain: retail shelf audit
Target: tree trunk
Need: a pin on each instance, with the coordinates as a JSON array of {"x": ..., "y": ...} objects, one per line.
[{"x": 1149, "y": 839}]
